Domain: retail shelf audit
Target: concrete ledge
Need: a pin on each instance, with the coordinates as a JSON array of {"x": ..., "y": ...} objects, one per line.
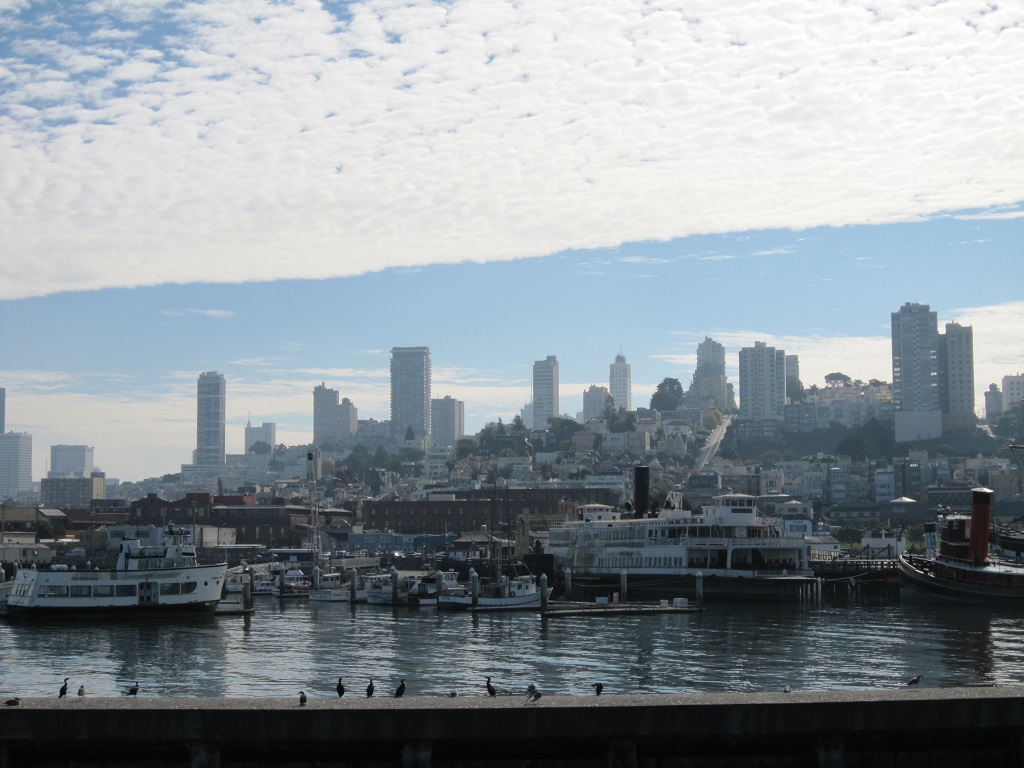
[{"x": 928, "y": 727}]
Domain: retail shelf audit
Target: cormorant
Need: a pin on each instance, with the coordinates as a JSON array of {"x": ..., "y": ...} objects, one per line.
[
  {"x": 302, "y": 698},
  {"x": 530, "y": 690},
  {"x": 400, "y": 690},
  {"x": 534, "y": 696},
  {"x": 914, "y": 680},
  {"x": 63, "y": 689},
  {"x": 490, "y": 688},
  {"x": 598, "y": 687},
  {"x": 13, "y": 702},
  {"x": 369, "y": 689},
  {"x": 452, "y": 694},
  {"x": 341, "y": 689},
  {"x": 133, "y": 690},
  {"x": 81, "y": 691}
]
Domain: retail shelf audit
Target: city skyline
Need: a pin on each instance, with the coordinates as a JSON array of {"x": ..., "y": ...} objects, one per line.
[{"x": 283, "y": 192}]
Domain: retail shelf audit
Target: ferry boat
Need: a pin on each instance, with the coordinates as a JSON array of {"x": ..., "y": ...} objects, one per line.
[
  {"x": 727, "y": 550},
  {"x": 961, "y": 569},
  {"x": 147, "y": 581}
]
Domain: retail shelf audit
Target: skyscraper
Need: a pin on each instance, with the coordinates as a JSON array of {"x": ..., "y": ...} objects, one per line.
[
  {"x": 410, "y": 392},
  {"x": 326, "y": 416},
  {"x": 447, "y": 420},
  {"x": 545, "y": 391},
  {"x": 915, "y": 373},
  {"x": 762, "y": 382},
  {"x": 71, "y": 461},
  {"x": 710, "y": 384},
  {"x": 3, "y": 406},
  {"x": 595, "y": 400},
  {"x": 956, "y": 375},
  {"x": 15, "y": 464},
  {"x": 620, "y": 383},
  {"x": 211, "y": 409}
]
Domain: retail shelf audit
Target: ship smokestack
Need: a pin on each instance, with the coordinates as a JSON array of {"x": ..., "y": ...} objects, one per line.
[
  {"x": 641, "y": 490},
  {"x": 981, "y": 514}
]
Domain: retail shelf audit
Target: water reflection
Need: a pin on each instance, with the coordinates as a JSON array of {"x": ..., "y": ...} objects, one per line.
[{"x": 287, "y": 646}]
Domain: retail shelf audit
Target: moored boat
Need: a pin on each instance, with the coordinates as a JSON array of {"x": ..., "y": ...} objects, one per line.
[
  {"x": 516, "y": 593},
  {"x": 148, "y": 580},
  {"x": 292, "y": 583},
  {"x": 961, "y": 568}
]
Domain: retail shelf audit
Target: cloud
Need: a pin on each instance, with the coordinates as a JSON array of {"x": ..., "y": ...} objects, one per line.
[
  {"x": 228, "y": 142},
  {"x": 214, "y": 314}
]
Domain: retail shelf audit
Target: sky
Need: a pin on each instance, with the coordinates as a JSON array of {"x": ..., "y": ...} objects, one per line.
[{"x": 283, "y": 191}]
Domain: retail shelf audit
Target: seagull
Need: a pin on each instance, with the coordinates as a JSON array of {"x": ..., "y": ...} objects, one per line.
[
  {"x": 341, "y": 689},
  {"x": 13, "y": 702},
  {"x": 81, "y": 691},
  {"x": 302, "y": 698},
  {"x": 598, "y": 687},
  {"x": 133, "y": 690},
  {"x": 369, "y": 689},
  {"x": 63, "y": 689},
  {"x": 490, "y": 688},
  {"x": 400, "y": 690},
  {"x": 914, "y": 680},
  {"x": 787, "y": 689}
]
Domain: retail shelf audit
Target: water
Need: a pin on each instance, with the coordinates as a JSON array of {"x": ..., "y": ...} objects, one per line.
[{"x": 286, "y": 647}]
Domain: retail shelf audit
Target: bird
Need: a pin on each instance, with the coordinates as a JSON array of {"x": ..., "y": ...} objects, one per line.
[
  {"x": 369, "y": 689},
  {"x": 452, "y": 694},
  {"x": 490, "y": 688},
  {"x": 534, "y": 696},
  {"x": 787, "y": 689},
  {"x": 341, "y": 689},
  {"x": 400, "y": 689},
  {"x": 13, "y": 702},
  {"x": 302, "y": 698},
  {"x": 81, "y": 691},
  {"x": 914, "y": 680},
  {"x": 133, "y": 690},
  {"x": 63, "y": 689},
  {"x": 598, "y": 687},
  {"x": 530, "y": 690}
]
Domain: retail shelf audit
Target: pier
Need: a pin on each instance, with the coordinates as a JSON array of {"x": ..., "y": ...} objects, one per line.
[{"x": 926, "y": 727}]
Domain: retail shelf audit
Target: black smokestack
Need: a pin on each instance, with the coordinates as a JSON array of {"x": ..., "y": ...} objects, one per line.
[{"x": 641, "y": 490}]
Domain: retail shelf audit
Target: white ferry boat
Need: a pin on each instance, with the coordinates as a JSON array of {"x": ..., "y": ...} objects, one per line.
[
  {"x": 737, "y": 552},
  {"x": 146, "y": 581}
]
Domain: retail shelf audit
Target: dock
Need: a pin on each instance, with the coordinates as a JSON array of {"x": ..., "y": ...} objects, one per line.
[{"x": 557, "y": 609}]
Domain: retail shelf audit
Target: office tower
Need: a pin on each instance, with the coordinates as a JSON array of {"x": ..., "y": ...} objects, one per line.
[
  {"x": 595, "y": 400},
  {"x": 326, "y": 416},
  {"x": 915, "y": 373},
  {"x": 545, "y": 391},
  {"x": 762, "y": 382},
  {"x": 410, "y": 392},
  {"x": 211, "y": 402},
  {"x": 15, "y": 464},
  {"x": 709, "y": 385},
  {"x": 447, "y": 421},
  {"x": 1013, "y": 391},
  {"x": 620, "y": 384},
  {"x": 956, "y": 375},
  {"x": 71, "y": 461},
  {"x": 267, "y": 433},
  {"x": 993, "y": 402}
]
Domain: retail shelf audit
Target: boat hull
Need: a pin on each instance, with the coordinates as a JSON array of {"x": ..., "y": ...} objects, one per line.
[
  {"x": 666, "y": 586},
  {"x": 920, "y": 582}
]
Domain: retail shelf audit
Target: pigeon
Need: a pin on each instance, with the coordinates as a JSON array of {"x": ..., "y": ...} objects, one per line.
[
  {"x": 63, "y": 689},
  {"x": 302, "y": 698},
  {"x": 400, "y": 690}
]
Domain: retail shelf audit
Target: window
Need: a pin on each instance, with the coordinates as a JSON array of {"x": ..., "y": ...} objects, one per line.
[
  {"x": 81, "y": 590},
  {"x": 104, "y": 590},
  {"x": 188, "y": 587},
  {"x": 125, "y": 590},
  {"x": 170, "y": 589},
  {"x": 56, "y": 590}
]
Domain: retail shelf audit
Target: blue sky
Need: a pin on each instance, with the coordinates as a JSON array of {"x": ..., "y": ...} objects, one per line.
[{"x": 283, "y": 191}]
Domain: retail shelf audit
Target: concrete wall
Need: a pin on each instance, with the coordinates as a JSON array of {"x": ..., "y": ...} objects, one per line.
[{"x": 919, "y": 727}]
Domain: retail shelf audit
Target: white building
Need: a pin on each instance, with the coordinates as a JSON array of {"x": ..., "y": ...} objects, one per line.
[
  {"x": 211, "y": 407},
  {"x": 15, "y": 464},
  {"x": 915, "y": 373},
  {"x": 620, "y": 383},
  {"x": 410, "y": 392},
  {"x": 266, "y": 433},
  {"x": 762, "y": 382},
  {"x": 595, "y": 399},
  {"x": 545, "y": 391},
  {"x": 70, "y": 461},
  {"x": 447, "y": 421},
  {"x": 1013, "y": 390}
]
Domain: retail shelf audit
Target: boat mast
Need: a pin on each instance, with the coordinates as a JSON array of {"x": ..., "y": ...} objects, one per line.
[{"x": 314, "y": 513}]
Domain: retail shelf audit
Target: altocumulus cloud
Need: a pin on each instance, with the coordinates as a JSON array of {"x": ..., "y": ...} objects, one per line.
[{"x": 150, "y": 142}]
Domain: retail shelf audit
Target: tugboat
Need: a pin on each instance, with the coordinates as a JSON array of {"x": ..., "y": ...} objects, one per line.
[{"x": 962, "y": 569}]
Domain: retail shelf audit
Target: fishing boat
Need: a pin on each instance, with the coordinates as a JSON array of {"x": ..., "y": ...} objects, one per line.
[
  {"x": 727, "y": 550},
  {"x": 263, "y": 584},
  {"x": 428, "y": 590},
  {"x": 162, "y": 578},
  {"x": 961, "y": 568},
  {"x": 516, "y": 593},
  {"x": 291, "y": 584},
  {"x": 332, "y": 589}
]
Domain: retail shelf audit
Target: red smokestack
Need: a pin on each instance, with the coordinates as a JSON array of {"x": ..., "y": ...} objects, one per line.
[{"x": 981, "y": 508}]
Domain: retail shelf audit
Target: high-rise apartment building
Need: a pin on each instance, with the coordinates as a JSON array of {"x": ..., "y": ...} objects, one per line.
[
  {"x": 326, "y": 417},
  {"x": 15, "y": 464},
  {"x": 348, "y": 418},
  {"x": 920, "y": 361},
  {"x": 410, "y": 392},
  {"x": 211, "y": 411},
  {"x": 1013, "y": 390},
  {"x": 447, "y": 421},
  {"x": 762, "y": 382},
  {"x": 620, "y": 384},
  {"x": 265, "y": 433},
  {"x": 3, "y": 411},
  {"x": 71, "y": 461},
  {"x": 709, "y": 385},
  {"x": 595, "y": 400},
  {"x": 993, "y": 402},
  {"x": 956, "y": 375},
  {"x": 545, "y": 391}
]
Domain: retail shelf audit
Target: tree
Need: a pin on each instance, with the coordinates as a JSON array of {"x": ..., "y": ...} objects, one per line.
[
  {"x": 560, "y": 432},
  {"x": 466, "y": 446},
  {"x": 795, "y": 389},
  {"x": 838, "y": 380},
  {"x": 410, "y": 434},
  {"x": 260, "y": 448},
  {"x": 619, "y": 420},
  {"x": 667, "y": 396}
]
